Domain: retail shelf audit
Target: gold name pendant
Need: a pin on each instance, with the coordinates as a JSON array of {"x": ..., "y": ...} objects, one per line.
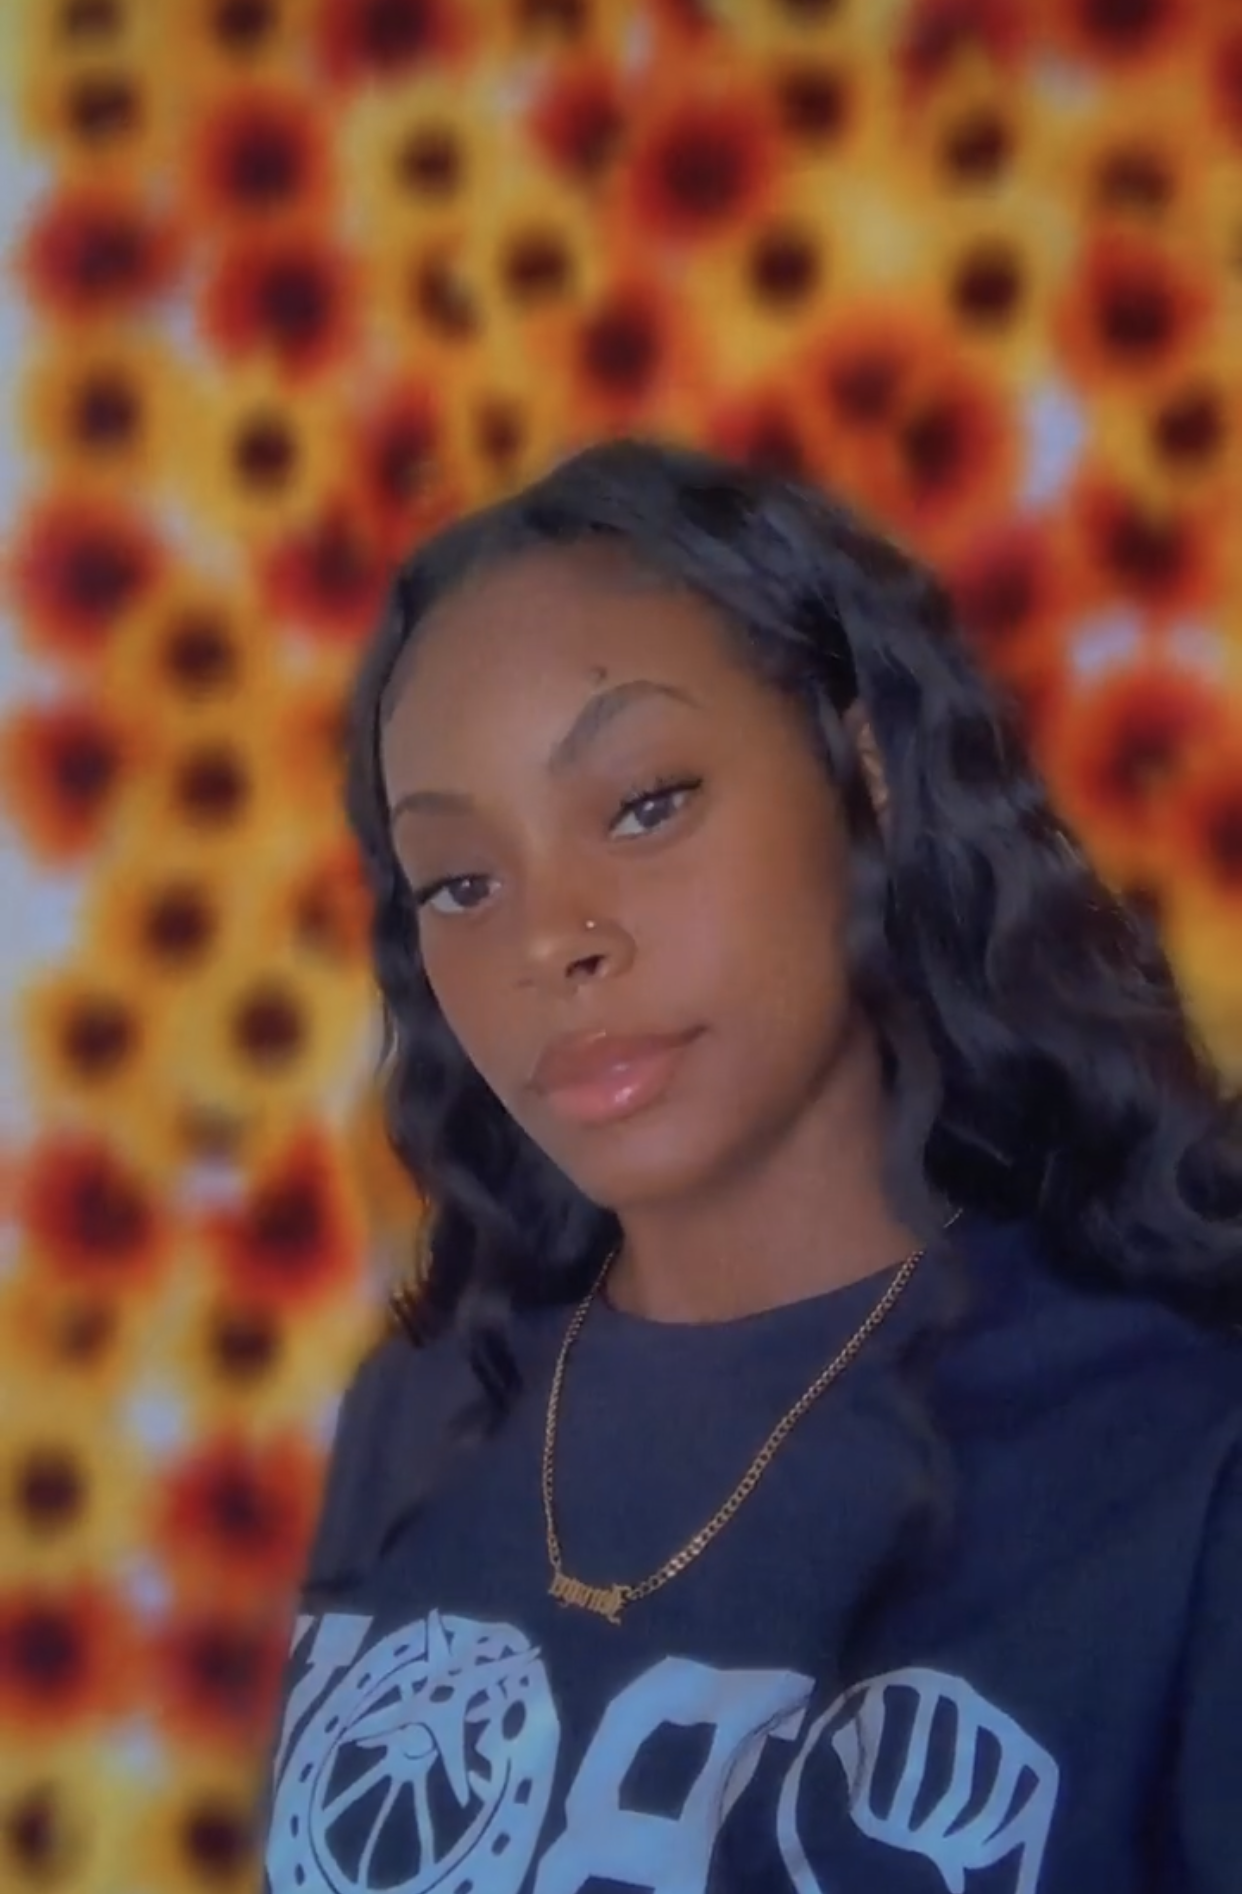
[{"x": 606, "y": 1601}]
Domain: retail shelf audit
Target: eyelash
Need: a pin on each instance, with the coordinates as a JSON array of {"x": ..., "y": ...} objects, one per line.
[
  {"x": 660, "y": 790},
  {"x": 663, "y": 788}
]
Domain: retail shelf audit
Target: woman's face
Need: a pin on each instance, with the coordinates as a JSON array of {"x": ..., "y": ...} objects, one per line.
[{"x": 630, "y": 870}]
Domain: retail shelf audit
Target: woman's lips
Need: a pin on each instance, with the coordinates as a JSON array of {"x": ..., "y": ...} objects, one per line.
[{"x": 600, "y": 1078}]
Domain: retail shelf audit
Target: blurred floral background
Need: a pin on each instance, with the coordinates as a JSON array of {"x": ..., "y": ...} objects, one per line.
[{"x": 289, "y": 283}]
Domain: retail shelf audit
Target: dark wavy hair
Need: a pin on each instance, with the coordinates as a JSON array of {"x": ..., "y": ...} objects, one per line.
[{"x": 1038, "y": 1062}]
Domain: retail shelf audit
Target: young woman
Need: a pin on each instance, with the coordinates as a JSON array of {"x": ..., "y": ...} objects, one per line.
[{"x": 815, "y": 1460}]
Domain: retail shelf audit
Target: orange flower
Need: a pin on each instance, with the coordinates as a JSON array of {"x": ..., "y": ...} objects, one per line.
[
  {"x": 816, "y": 103},
  {"x": 578, "y": 120},
  {"x": 94, "y": 252},
  {"x": 1118, "y": 751},
  {"x": 299, "y": 1236},
  {"x": 78, "y": 567},
  {"x": 261, "y": 150},
  {"x": 216, "y": 1677},
  {"x": 1119, "y": 38},
  {"x": 951, "y": 452},
  {"x": 94, "y": 1222},
  {"x": 1205, "y": 824},
  {"x": 404, "y": 457},
  {"x": 761, "y": 429},
  {"x": 860, "y": 370},
  {"x": 95, "y": 116},
  {"x": 285, "y": 294},
  {"x": 64, "y": 767},
  {"x": 199, "y": 652},
  {"x": 386, "y": 40},
  {"x": 116, "y": 407},
  {"x": 703, "y": 160},
  {"x": 1224, "y": 60},
  {"x": 1131, "y": 311},
  {"x": 329, "y": 580},
  {"x": 632, "y": 358},
  {"x": 233, "y": 1520},
  {"x": 73, "y": 1344},
  {"x": 67, "y": 1657},
  {"x": 165, "y": 917},
  {"x": 1163, "y": 559},
  {"x": 91, "y": 1038},
  {"x": 326, "y": 907},
  {"x": 938, "y": 35},
  {"x": 1009, "y": 588}
]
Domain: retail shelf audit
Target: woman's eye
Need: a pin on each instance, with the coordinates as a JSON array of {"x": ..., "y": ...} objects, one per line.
[
  {"x": 455, "y": 894},
  {"x": 642, "y": 814}
]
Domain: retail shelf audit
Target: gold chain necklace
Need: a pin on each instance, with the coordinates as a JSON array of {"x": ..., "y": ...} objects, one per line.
[{"x": 609, "y": 1601}]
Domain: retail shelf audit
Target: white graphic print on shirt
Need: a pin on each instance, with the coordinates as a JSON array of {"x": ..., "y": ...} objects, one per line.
[{"x": 423, "y": 1763}]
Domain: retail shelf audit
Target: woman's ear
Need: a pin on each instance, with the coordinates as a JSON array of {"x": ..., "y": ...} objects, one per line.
[{"x": 859, "y": 727}]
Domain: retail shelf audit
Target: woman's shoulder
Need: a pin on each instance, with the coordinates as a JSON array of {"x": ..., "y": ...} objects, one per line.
[{"x": 1041, "y": 1329}]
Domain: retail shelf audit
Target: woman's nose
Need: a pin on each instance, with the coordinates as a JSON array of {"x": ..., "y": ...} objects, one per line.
[{"x": 575, "y": 949}]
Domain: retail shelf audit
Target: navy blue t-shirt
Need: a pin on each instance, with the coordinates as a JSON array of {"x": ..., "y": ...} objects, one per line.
[{"x": 1046, "y": 1699}]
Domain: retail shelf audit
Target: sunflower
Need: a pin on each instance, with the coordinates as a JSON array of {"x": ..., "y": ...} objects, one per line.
[
  {"x": 1164, "y": 558},
  {"x": 767, "y": 288},
  {"x": 429, "y": 308},
  {"x": 92, "y": 1037},
  {"x": 215, "y": 1675},
  {"x": 164, "y": 919},
  {"x": 703, "y": 160},
  {"x": 941, "y": 39},
  {"x": 95, "y": 250},
  {"x": 524, "y": 32},
  {"x": 535, "y": 255},
  {"x": 262, "y": 1036},
  {"x": 214, "y": 799},
  {"x": 409, "y": 480},
  {"x": 93, "y": 1220},
  {"x": 1011, "y": 589},
  {"x": 1205, "y": 826},
  {"x": 416, "y": 161},
  {"x": 761, "y": 426},
  {"x": 116, "y": 406},
  {"x": 200, "y": 1830},
  {"x": 246, "y": 1364},
  {"x": 216, "y": 42},
  {"x": 1133, "y": 311},
  {"x": 506, "y": 427},
  {"x": 631, "y": 358},
  {"x": 265, "y": 458},
  {"x": 99, "y": 117},
  {"x": 78, "y": 567},
  {"x": 577, "y": 121},
  {"x": 1127, "y": 161},
  {"x": 69, "y": 1490},
  {"x": 287, "y": 297},
  {"x": 1180, "y": 440},
  {"x": 65, "y": 768},
  {"x": 259, "y": 149},
  {"x": 76, "y": 1344},
  {"x": 1125, "y": 742},
  {"x": 298, "y": 1236},
  {"x": 1119, "y": 41},
  {"x": 197, "y": 654},
  {"x": 52, "y": 1822},
  {"x": 326, "y": 580},
  {"x": 68, "y": 1660},
  {"x": 321, "y": 905},
  {"x": 231, "y": 1519},
  {"x": 387, "y": 42}
]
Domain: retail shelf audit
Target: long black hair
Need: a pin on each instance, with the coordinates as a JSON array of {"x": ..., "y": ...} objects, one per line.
[{"x": 1038, "y": 1061}]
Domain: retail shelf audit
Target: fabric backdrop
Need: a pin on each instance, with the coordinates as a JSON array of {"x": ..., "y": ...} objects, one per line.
[{"x": 288, "y": 284}]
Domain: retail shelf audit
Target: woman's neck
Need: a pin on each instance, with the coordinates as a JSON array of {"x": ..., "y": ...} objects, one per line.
[{"x": 807, "y": 1217}]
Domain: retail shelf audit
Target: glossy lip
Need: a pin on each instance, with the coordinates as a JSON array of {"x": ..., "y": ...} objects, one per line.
[{"x": 600, "y": 1078}]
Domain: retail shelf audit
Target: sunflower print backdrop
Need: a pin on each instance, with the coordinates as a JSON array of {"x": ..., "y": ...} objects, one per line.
[{"x": 289, "y": 284}]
